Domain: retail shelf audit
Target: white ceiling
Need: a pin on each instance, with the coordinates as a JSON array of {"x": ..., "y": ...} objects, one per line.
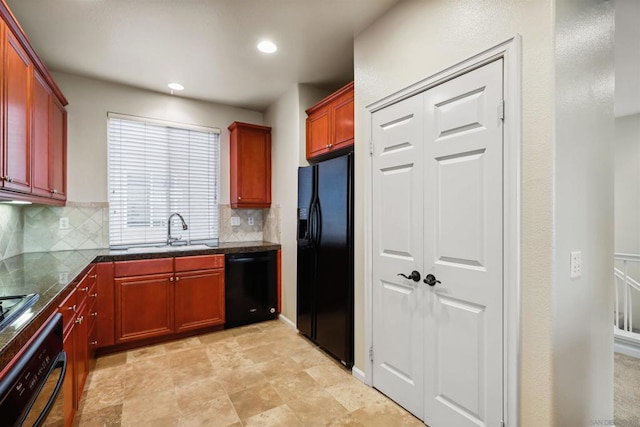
[
  {"x": 627, "y": 52},
  {"x": 207, "y": 45}
]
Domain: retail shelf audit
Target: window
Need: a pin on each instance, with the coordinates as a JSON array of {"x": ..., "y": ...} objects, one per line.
[{"x": 157, "y": 168}]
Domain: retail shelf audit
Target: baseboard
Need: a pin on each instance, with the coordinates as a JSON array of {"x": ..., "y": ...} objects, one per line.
[
  {"x": 626, "y": 345},
  {"x": 358, "y": 374},
  {"x": 287, "y": 322}
]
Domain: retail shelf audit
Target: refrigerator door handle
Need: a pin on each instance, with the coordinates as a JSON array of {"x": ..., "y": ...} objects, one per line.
[
  {"x": 309, "y": 235},
  {"x": 315, "y": 223},
  {"x": 318, "y": 219}
]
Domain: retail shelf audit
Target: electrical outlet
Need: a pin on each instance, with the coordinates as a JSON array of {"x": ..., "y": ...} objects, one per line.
[
  {"x": 235, "y": 221},
  {"x": 64, "y": 223},
  {"x": 250, "y": 220},
  {"x": 63, "y": 277},
  {"x": 576, "y": 264}
]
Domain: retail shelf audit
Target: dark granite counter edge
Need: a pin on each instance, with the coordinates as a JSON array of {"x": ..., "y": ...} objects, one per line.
[{"x": 52, "y": 298}]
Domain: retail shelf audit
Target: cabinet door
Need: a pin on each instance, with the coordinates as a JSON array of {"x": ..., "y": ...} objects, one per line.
[
  {"x": 58, "y": 157},
  {"x": 318, "y": 132},
  {"x": 250, "y": 173},
  {"x": 144, "y": 307},
  {"x": 343, "y": 121},
  {"x": 17, "y": 145},
  {"x": 68, "y": 389},
  {"x": 81, "y": 344},
  {"x": 40, "y": 116},
  {"x": 199, "y": 299}
]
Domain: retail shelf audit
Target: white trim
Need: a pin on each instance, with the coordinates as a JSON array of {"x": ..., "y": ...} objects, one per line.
[
  {"x": 626, "y": 343},
  {"x": 511, "y": 51},
  {"x": 358, "y": 374},
  {"x": 112, "y": 115},
  {"x": 287, "y": 322}
]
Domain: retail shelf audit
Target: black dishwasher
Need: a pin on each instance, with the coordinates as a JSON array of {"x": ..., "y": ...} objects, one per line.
[{"x": 251, "y": 287}]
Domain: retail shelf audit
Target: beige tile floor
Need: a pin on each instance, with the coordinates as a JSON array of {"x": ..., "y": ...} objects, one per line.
[{"x": 259, "y": 375}]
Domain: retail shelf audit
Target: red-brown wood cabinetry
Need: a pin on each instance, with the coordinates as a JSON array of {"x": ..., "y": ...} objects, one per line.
[
  {"x": 330, "y": 124},
  {"x": 58, "y": 151},
  {"x": 32, "y": 124},
  {"x": 199, "y": 292},
  {"x": 250, "y": 164},
  {"x": 143, "y": 298},
  {"x": 16, "y": 144},
  {"x": 78, "y": 319},
  {"x": 165, "y": 296}
]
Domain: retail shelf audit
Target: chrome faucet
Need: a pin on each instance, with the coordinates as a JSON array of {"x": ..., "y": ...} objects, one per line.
[{"x": 170, "y": 239}]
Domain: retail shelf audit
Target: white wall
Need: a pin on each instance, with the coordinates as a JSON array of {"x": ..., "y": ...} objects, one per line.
[
  {"x": 627, "y": 194},
  {"x": 89, "y": 102},
  {"x": 417, "y": 39},
  {"x": 584, "y": 146},
  {"x": 287, "y": 118}
]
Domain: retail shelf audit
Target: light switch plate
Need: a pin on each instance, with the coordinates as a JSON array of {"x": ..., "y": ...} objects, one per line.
[{"x": 235, "y": 221}]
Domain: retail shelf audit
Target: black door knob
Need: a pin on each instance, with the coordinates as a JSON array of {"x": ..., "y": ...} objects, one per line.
[
  {"x": 431, "y": 280},
  {"x": 415, "y": 276}
]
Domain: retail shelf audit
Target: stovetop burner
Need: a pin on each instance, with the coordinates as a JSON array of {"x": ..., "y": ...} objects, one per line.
[{"x": 11, "y": 307}]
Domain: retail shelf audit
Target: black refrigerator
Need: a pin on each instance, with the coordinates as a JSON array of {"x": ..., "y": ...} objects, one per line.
[{"x": 325, "y": 256}]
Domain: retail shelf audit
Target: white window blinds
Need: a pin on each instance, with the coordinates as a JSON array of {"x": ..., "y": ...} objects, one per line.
[{"x": 155, "y": 169}]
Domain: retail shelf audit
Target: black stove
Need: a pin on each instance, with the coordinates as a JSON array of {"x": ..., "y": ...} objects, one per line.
[{"x": 11, "y": 307}]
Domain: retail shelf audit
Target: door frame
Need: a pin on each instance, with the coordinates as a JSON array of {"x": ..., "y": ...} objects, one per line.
[{"x": 511, "y": 52}]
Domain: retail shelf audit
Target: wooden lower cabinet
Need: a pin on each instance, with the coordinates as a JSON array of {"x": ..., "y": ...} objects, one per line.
[
  {"x": 144, "y": 306},
  {"x": 76, "y": 316},
  {"x": 199, "y": 299},
  {"x": 168, "y": 296}
]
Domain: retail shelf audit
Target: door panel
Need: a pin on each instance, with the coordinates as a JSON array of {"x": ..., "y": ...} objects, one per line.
[
  {"x": 437, "y": 208},
  {"x": 398, "y": 248},
  {"x": 463, "y": 249},
  {"x": 334, "y": 286}
]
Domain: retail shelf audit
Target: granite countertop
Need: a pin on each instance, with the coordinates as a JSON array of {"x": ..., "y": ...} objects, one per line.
[{"x": 52, "y": 275}]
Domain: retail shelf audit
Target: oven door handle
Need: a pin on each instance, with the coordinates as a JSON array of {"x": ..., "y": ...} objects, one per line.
[{"x": 61, "y": 362}]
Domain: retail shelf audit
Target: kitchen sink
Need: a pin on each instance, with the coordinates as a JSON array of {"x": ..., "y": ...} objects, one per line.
[{"x": 176, "y": 246}]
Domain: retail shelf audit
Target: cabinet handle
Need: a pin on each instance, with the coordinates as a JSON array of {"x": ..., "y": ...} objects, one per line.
[
  {"x": 94, "y": 343},
  {"x": 72, "y": 308},
  {"x": 8, "y": 179},
  {"x": 94, "y": 314},
  {"x": 54, "y": 191},
  {"x": 177, "y": 279},
  {"x": 94, "y": 295},
  {"x": 79, "y": 320},
  {"x": 239, "y": 198},
  {"x": 171, "y": 279},
  {"x": 330, "y": 146},
  {"x": 94, "y": 276},
  {"x": 85, "y": 289}
]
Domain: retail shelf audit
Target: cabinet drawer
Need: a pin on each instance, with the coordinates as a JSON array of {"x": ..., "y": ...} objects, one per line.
[
  {"x": 69, "y": 308},
  {"x": 143, "y": 267},
  {"x": 199, "y": 262}
]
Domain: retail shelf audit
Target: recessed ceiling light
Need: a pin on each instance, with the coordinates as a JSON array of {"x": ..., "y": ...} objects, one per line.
[
  {"x": 175, "y": 86},
  {"x": 267, "y": 46}
]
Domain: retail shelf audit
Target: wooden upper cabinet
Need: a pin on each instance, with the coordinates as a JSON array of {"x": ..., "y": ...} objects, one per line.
[
  {"x": 330, "y": 124},
  {"x": 250, "y": 164},
  {"x": 58, "y": 151},
  {"x": 32, "y": 122},
  {"x": 40, "y": 117},
  {"x": 17, "y": 75}
]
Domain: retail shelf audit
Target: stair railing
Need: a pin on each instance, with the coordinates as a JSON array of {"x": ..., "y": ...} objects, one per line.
[{"x": 625, "y": 284}]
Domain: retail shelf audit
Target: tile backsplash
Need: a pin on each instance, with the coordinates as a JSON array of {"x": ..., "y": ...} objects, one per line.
[
  {"x": 11, "y": 231},
  {"x": 88, "y": 227},
  {"x": 36, "y": 228}
]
